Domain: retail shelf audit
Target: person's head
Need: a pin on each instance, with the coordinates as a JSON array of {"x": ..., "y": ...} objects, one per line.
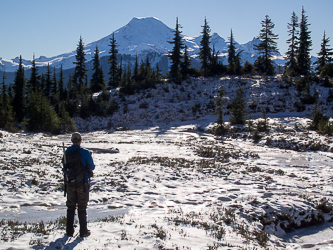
[{"x": 76, "y": 138}]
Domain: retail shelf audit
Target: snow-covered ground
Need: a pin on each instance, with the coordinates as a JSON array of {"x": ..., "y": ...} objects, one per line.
[
  {"x": 173, "y": 184},
  {"x": 169, "y": 187}
]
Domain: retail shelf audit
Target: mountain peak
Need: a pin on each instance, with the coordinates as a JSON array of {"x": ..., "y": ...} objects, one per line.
[
  {"x": 144, "y": 34},
  {"x": 145, "y": 19},
  {"x": 146, "y": 23}
]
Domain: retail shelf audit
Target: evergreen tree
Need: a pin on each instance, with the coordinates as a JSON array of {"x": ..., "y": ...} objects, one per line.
[
  {"x": 80, "y": 92},
  {"x": 237, "y": 115},
  {"x": 42, "y": 83},
  {"x": 3, "y": 94},
  {"x": 41, "y": 116},
  {"x": 97, "y": 82},
  {"x": 34, "y": 81},
  {"x": 238, "y": 67},
  {"x": 10, "y": 93},
  {"x": 33, "y": 84},
  {"x": 158, "y": 74},
  {"x": 71, "y": 95},
  {"x": 327, "y": 71},
  {"x": 185, "y": 65},
  {"x": 48, "y": 83},
  {"x": 304, "y": 48},
  {"x": 219, "y": 106},
  {"x": 247, "y": 68},
  {"x": 19, "y": 95},
  {"x": 80, "y": 68},
  {"x": 325, "y": 54},
  {"x": 113, "y": 72},
  {"x": 148, "y": 81},
  {"x": 54, "y": 89},
  {"x": 291, "y": 56},
  {"x": 126, "y": 83},
  {"x": 85, "y": 104},
  {"x": 267, "y": 46},
  {"x": 146, "y": 75},
  {"x": 35, "y": 111},
  {"x": 220, "y": 129},
  {"x": 205, "y": 51},
  {"x": 55, "y": 100},
  {"x": 61, "y": 85},
  {"x": 176, "y": 56},
  {"x": 214, "y": 63},
  {"x": 136, "y": 70},
  {"x": 66, "y": 123},
  {"x": 142, "y": 72},
  {"x": 262, "y": 125},
  {"x": 120, "y": 69},
  {"x": 231, "y": 55},
  {"x": 6, "y": 111},
  {"x": 318, "y": 117}
]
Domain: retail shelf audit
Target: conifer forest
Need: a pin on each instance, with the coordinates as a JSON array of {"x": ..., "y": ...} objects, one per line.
[{"x": 48, "y": 101}]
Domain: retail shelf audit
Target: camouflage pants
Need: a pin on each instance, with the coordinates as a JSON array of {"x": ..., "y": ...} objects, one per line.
[{"x": 77, "y": 194}]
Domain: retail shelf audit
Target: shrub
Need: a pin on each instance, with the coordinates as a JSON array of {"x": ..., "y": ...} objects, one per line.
[
  {"x": 219, "y": 233},
  {"x": 320, "y": 122},
  {"x": 262, "y": 237},
  {"x": 256, "y": 136},
  {"x": 237, "y": 115},
  {"x": 327, "y": 82},
  {"x": 324, "y": 207},
  {"x": 299, "y": 105},
  {"x": 220, "y": 130},
  {"x": 325, "y": 128},
  {"x": 160, "y": 233},
  {"x": 262, "y": 125},
  {"x": 253, "y": 105},
  {"x": 34, "y": 182},
  {"x": 330, "y": 96},
  {"x": 196, "y": 107},
  {"x": 166, "y": 88},
  {"x": 144, "y": 105},
  {"x": 327, "y": 70}
]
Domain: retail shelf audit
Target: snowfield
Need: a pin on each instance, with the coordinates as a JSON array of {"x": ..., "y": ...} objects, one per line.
[{"x": 173, "y": 184}]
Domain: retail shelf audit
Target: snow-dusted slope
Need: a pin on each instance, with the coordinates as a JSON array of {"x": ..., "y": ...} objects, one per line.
[
  {"x": 172, "y": 187},
  {"x": 173, "y": 184},
  {"x": 139, "y": 36}
]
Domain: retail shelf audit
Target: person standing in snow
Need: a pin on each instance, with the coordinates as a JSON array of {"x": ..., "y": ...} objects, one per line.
[{"x": 78, "y": 192}]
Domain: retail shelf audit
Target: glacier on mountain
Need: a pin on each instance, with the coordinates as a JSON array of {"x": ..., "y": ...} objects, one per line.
[{"x": 141, "y": 36}]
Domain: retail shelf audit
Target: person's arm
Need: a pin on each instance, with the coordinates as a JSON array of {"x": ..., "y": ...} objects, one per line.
[{"x": 89, "y": 160}]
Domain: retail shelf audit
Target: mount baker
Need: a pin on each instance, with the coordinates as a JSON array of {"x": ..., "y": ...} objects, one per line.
[{"x": 141, "y": 37}]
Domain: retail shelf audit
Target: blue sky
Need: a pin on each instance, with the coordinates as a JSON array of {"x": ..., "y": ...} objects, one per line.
[{"x": 52, "y": 27}]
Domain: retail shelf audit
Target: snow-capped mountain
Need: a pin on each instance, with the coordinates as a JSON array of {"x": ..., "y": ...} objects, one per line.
[{"x": 141, "y": 36}]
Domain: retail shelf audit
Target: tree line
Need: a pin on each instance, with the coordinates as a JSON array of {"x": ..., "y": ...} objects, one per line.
[
  {"x": 298, "y": 58},
  {"x": 48, "y": 102}
]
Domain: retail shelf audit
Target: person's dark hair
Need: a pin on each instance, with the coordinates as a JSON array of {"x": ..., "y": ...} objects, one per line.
[{"x": 76, "y": 137}]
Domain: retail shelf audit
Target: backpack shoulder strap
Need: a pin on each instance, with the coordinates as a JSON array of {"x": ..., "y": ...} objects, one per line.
[{"x": 85, "y": 168}]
